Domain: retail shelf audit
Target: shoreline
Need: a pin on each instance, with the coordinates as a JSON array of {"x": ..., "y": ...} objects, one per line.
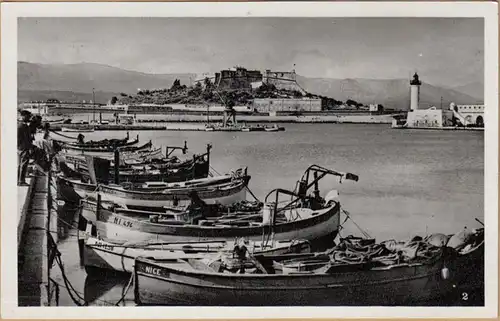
[{"x": 146, "y": 121}]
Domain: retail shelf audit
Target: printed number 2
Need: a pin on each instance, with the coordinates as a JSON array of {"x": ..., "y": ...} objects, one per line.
[{"x": 465, "y": 296}]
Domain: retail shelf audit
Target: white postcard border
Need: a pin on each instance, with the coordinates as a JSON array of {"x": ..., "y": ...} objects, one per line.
[{"x": 11, "y": 11}]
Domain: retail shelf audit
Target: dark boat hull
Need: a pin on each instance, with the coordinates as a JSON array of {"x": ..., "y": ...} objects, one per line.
[
  {"x": 185, "y": 171},
  {"x": 163, "y": 284},
  {"x": 101, "y": 143},
  {"x": 160, "y": 285},
  {"x": 107, "y": 149}
]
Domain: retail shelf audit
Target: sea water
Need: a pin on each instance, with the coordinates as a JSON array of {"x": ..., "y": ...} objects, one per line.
[{"x": 411, "y": 182}]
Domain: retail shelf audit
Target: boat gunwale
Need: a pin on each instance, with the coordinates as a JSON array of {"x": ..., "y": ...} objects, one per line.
[
  {"x": 207, "y": 231},
  {"x": 227, "y": 186},
  {"x": 109, "y": 149},
  {"x": 197, "y": 274}
]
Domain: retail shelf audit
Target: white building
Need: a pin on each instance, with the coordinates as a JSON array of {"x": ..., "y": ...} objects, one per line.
[{"x": 456, "y": 115}]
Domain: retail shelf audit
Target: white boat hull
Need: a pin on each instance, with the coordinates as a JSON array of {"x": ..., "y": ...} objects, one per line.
[
  {"x": 105, "y": 255},
  {"x": 122, "y": 232}
]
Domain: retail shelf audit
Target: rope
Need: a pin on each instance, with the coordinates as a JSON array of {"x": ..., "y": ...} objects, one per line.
[
  {"x": 68, "y": 284},
  {"x": 75, "y": 295},
  {"x": 126, "y": 289},
  {"x": 213, "y": 169},
  {"x": 57, "y": 290},
  {"x": 100, "y": 300},
  {"x": 348, "y": 215},
  {"x": 253, "y": 195}
]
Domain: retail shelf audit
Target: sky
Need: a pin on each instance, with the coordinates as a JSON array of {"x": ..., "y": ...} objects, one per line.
[{"x": 445, "y": 51}]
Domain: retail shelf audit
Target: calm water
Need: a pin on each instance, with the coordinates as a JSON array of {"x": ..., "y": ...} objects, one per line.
[{"x": 411, "y": 182}]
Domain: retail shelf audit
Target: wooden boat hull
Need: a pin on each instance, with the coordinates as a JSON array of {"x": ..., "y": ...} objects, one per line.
[
  {"x": 125, "y": 157},
  {"x": 99, "y": 144},
  {"x": 107, "y": 149},
  {"x": 179, "y": 172},
  {"x": 164, "y": 284},
  {"x": 158, "y": 283},
  {"x": 224, "y": 193},
  {"x": 467, "y": 276},
  {"x": 77, "y": 130},
  {"x": 118, "y": 257},
  {"x": 198, "y": 170},
  {"x": 115, "y": 226}
]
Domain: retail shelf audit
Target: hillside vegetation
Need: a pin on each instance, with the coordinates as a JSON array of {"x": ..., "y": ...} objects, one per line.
[{"x": 208, "y": 94}]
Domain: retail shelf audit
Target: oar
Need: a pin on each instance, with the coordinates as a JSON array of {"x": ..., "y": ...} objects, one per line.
[
  {"x": 258, "y": 265},
  {"x": 479, "y": 221}
]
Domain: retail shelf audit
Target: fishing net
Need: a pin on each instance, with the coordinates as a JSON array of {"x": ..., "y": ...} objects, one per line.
[{"x": 355, "y": 250}]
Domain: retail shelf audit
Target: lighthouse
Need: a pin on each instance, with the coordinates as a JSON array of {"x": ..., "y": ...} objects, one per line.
[{"x": 414, "y": 92}]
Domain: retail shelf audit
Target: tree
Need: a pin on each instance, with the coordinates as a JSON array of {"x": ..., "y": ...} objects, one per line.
[
  {"x": 176, "y": 85},
  {"x": 351, "y": 102},
  {"x": 114, "y": 100}
]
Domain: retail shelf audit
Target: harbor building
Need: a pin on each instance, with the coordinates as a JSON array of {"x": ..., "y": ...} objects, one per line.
[
  {"x": 471, "y": 114},
  {"x": 269, "y": 105},
  {"x": 433, "y": 117}
]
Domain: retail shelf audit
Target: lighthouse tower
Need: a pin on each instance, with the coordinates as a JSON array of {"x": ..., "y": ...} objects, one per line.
[{"x": 414, "y": 92}]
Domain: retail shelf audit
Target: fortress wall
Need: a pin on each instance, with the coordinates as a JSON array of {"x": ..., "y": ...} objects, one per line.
[
  {"x": 238, "y": 79},
  {"x": 283, "y": 80}
]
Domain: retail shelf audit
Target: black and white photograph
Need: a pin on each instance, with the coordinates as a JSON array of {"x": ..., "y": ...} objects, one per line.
[{"x": 301, "y": 157}]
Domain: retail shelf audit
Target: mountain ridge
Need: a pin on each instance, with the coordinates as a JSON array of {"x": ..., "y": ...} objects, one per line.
[{"x": 82, "y": 78}]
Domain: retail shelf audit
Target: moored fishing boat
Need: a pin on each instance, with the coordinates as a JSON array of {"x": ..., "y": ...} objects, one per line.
[
  {"x": 224, "y": 189},
  {"x": 195, "y": 168},
  {"x": 107, "y": 149},
  {"x": 126, "y": 157},
  {"x": 311, "y": 225},
  {"x": 161, "y": 170},
  {"x": 120, "y": 256},
  {"x": 307, "y": 217},
  {"x": 407, "y": 278},
  {"x": 103, "y": 143},
  {"x": 77, "y": 129},
  {"x": 274, "y": 128}
]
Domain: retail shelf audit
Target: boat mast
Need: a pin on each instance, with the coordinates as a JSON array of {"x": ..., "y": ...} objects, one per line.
[{"x": 93, "y": 105}]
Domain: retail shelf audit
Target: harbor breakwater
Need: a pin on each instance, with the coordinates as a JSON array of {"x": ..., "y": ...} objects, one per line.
[{"x": 204, "y": 118}]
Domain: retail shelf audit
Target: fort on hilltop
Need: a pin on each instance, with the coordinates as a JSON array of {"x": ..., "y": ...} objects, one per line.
[
  {"x": 283, "y": 80},
  {"x": 240, "y": 78}
]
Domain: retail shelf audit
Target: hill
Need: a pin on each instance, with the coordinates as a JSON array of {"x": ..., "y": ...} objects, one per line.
[
  {"x": 75, "y": 80},
  {"x": 474, "y": 89},
  {"x": 43, "y": 95},
  {"x": 392, "y": 93},
  {"x": 83, "y": 77}
]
